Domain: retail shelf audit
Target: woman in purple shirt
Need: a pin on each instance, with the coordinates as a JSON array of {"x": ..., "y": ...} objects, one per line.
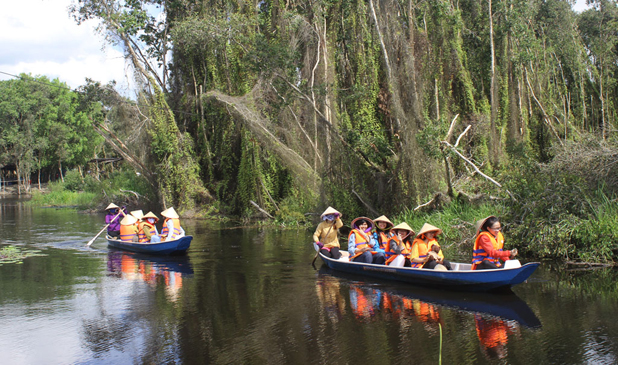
[{"x": 113, "y": 220}]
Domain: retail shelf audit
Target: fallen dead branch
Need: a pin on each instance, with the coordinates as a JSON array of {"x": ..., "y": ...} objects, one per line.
[{"x": 260, "y": 209}]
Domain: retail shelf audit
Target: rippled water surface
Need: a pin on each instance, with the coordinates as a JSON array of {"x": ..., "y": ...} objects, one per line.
[{"x": 251, "y": 296}]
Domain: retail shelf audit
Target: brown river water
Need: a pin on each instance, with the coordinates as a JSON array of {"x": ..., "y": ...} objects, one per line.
[{"x": 251, "y": 296}]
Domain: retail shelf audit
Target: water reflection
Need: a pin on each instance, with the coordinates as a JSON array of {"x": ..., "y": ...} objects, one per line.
[
  {"x": 367, "y": 300},
  {"x": 493, "y": 317},
  {"x": 166, "y": 270},
  {"x": 493, "y": 335}
]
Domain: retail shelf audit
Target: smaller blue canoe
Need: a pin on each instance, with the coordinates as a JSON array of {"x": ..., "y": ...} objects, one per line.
[
  {"x": 461, "y": 278},
  {"x": 175, "y": 247}
]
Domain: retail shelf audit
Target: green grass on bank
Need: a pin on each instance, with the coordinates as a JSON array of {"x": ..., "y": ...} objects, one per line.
[
  {"x": 89, "y": 193},
  {"x": 456, "y": 220},
  {"x": 58, "y": 196}
]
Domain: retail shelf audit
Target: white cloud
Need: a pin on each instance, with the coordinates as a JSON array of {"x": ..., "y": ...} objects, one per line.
[{"x": 39, "y": 37}]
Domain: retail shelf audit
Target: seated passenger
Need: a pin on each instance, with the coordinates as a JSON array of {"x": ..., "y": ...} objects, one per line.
[
  {"x": 171, "y": 226},
  {"x": 361, "y": 243},
  {"x": 326, "y": 233},
  {"x": 128, "y": 229},
  {"x": 397, "y": 246},
  {"x": 426, "y": 251},
  {"x": 488, "y": 247},
  {"x": 383, "y": 232},
  {"x": 147, "y": 229}
]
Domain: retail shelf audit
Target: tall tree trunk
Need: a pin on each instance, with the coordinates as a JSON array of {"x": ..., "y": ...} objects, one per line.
[
  {"x": 495, "y": 139},
  {"x": 18, "y": 178},
  {"x": 60, "y": 169}
]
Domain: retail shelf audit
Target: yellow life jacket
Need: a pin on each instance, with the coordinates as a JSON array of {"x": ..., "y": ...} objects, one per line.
[{"x": 422, "y": 248}]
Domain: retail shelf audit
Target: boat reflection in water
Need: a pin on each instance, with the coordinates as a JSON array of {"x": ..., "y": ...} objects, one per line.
[
  {"x": 496, "y": 316},
  {"x": 152, "y": 270}
]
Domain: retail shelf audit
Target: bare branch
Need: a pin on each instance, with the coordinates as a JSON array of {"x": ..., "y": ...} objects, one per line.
[
  {"x": 450, "y": 129},
  {"x": 260, "y": 209},
  {"x": 476, "y": 168},
  {"x": 375, "y": 212}
]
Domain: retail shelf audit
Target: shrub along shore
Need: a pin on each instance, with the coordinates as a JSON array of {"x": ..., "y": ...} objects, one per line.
[{"x": 589, "y": 237}]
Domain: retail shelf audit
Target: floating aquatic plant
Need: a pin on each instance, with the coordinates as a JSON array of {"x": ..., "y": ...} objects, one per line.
[{"x": 14, "y": 255}]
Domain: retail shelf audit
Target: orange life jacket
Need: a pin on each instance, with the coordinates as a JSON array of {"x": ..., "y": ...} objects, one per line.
[
  {"x": 422, "y": 248},
  {"x": 141, "y": 235},
  {"x": 127, "y": 232},
  {"x": 359, "y": 241},
  {"x": 390, "y": 254},
  {"x": 383, "y": 238},
  {"x": 479, "y": 254},
  {"x": 165, "y": 231}
]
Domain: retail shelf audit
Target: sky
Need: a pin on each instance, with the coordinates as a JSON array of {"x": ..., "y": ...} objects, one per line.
[{"x": 40, "y": 38}]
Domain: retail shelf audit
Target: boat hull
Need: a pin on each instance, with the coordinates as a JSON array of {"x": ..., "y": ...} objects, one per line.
[
  {"x": 175, "y": 247},
  {"x": 464, "y": 280}
]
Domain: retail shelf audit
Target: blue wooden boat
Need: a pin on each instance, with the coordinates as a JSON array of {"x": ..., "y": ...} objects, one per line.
[
  {"x": 462, "y": 277},
  {"x": 174, "y": 247}
]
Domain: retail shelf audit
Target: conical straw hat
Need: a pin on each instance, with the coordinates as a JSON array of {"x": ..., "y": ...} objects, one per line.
[
  {"x": 369, "y": 221},
  {"x": 151, "y": 215},
  {"x": 170, "y": 213},
  {"x": 112, "y": 206},
  {"x": 429, "y": 228},
  {"x": 404, "y": 226},
  {"x": 383, "y": 218},
  {"x": 137, "y": 214},
  {"x": 480, "y": 223},
  {"x": 330, "y": 210},
  {"x": 128, "y": 220}
]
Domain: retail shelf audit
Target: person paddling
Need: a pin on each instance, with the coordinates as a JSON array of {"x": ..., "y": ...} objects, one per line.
[
  {"x": 326, "y": 233},
  {"x": 112, "y": 219},
  {"x": 171, "y": 226}
]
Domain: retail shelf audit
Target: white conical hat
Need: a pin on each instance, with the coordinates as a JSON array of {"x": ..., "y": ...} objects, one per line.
[
  {"x": 112, "y": 206},
  {"x": 128, "y": 220},
  {"x": 170, "y": 213},
  {"x": 137, "y": 214},
  {"x": 429, "y": 228},
  {"x": 330, "y": 210},
  {"x": 403, "y": 226},
  {"x": 151, "y": 215},
  {"x": 383, "y": 218}
]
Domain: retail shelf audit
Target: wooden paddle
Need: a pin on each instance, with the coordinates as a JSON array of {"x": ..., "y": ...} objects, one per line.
[{"x": 101, "y": 231}]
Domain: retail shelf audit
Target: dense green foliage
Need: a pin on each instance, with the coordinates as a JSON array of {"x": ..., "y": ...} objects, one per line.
[
  {"x": 369, "y": 106},
  {"x": 43, "y": 125}
]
